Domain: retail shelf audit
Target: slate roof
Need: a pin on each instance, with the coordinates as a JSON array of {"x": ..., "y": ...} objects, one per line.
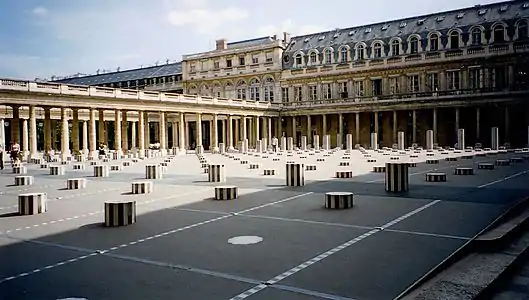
[
  {"x": 134, "y": 74},
  {"x": 251, "y": 43},
  {"x": 422, "y": 25}
]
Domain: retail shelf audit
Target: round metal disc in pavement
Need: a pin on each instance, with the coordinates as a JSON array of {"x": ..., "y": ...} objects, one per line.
[{"x": 245, "y": 240}]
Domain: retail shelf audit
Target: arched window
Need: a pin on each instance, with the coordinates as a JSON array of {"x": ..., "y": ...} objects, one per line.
[
  {"x": 299, "y": 59},
  {"x": 328, "y": 56},
  {"x": 476, "y": 36},
  {"x": 499, "y": 34},
  {"x": 377, "y": 50},
  {"x": 269, "y": 89},
  {"x": 241, "y": 90},
  {"x": 255, "y": 87},
  {"x": 454, "y": 40},
  {"x": 414, "y": 45},
  {"x": 360, "y": 52},
  {"x": 522, "y": 30},
  {"x": 434, "y": 42},
  {"x": 313, "y": 57},
  {"x": 395, "y": 48},
  {"x": 343, "y": 54}
]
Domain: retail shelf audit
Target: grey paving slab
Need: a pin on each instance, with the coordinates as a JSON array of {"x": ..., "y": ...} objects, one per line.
[
  {"x": 106, "y": 278},
  {"x": 277, "y": 294},
  {"x": 284, "y": 245},
  {"x": 379, "y": 267}
]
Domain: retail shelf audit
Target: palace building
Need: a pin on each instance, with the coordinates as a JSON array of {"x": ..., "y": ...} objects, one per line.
[{"x": 460, "y": 69}]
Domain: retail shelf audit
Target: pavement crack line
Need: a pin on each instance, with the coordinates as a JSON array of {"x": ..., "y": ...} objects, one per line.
[
  {"x": 328, "y": 253},
  {"x": 103, "y": 252}
]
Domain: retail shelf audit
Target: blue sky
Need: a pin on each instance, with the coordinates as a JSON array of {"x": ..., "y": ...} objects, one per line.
[{"x": 41, "y": 38}]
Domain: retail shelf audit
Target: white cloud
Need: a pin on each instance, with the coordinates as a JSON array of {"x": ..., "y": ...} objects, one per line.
[
  {"x": 40, "y": 11},
  {"x": 290, "y": 27}
]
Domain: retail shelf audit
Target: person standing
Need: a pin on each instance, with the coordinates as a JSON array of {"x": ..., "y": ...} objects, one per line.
[{"x": 274, "y": 144}]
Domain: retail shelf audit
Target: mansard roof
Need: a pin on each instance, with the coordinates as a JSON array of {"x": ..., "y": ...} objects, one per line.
[
  {"x": 442, "y": 22},
  {"x": 251, "y": 42},
  {"x": 126, "y": 75}
]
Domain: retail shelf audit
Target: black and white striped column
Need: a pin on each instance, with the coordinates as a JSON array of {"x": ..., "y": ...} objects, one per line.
[
  {"x": 76, "y": 183},
  {"x": 461, "y": 139},
  {"x": 435, "y": 177},
  {"x": 316, "y": 142},
  {"x": 153, "y": 171},
  {"x": 101, "y": 171},
  {"x": 120, "y": 213},
  {"x": 290, "y": 143},
  {"x": 344, "y": 174},
  {"x": 429, "y": 139},
  {"x": 326, "y": 142},
  {"x": 20, "y": 170},
  {"x": 115, "y": 168},
  {"x": 304, "y": 142},
  {"x": 464, "y": 171},
  {"x": 24, "y": 180},
  {"x": 78, "y": 166},
  {"x": 142, "y": 187},
  {"x": 495, "y": 138},
  {"x": 349, "y": 142},
  {"x": 397, "y": 177},
  {"x": 57, "y": 170},
  {"x": 400, "y": 140},
  {"x": 216, "y": 173},
  {"x": 295, "y": 174},
  {"x": 269, "y": 172},
  {"x": 338, "y": 200},
  {"x": 226, "y": 192},
  {"x": 32, "y": 203}
]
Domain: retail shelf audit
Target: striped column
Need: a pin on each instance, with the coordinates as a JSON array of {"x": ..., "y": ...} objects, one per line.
[
  {"x": 23, "y": 180},
  {"x": 32, "y": 203},
  {"x": 120, "y": 213},
  {"x": 326, "y": 142},
  {"x": 429, "y": 139},
  {"x": 374, "y": 141},
  {"x": 153, "y": 172},
  {"x": 461, "y": 139},
  {"x": 283, "y": 143},
  {"x": 295, "y": 174},
  {"x": 400, "y": 140},
  {"x": 338, "y": 200},
  {"x": 57, "y": 170},
  {"x": 258, "y": 146},
  {"x": 304, "y": 142},
  {"x": 316, "y": 142},
  {"x": 349, "y": 142},
  {"x": 495, "y": 138},
  {"x": 20, "y": 170},
  {"x": 216, "y": 173},
  {"x": 397, "y": 177},
  {"x": 226, "y": 193},
  {"x": 290, "y": 143},
  {"x": 101, "y": 171},
  {"x": 76, "y": 183}
]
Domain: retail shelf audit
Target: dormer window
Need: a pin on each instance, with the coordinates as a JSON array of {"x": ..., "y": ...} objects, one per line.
[
  {"x": 343, "y": 54},
  {"x": 476, "y": 36},
  {"x": 481, "y": 12},
  {"x": 454, "y": 40},
  {"x": 313, "y": 58},
  {"x": 385, "y": 27},
  {"x": 395, "y": 48},
  {"x": 522, "y": 30},
  {"x": 360, "y": 52},
  {"x": 299, "y": 59},
  {"x": 414, "y": 45},
  {"x": 440, "y": 18},
  {"x": 352, "y": 32},
  {"x": 403, "y": 24},
  {"x": 328, "y": 56},
  {"x": 336, "y": 35},
  {"x": 321, "y": 38},
  {"x": 504, "y": 8},
  {"x": 460, "y": 15},
  {"x": 368, "y": 30},
  {"x": 499, "y": 34},
  {"x": 421, "y": 21},
  {"x": 434, "y": 42},
  {"x": 377, "y": 50}
]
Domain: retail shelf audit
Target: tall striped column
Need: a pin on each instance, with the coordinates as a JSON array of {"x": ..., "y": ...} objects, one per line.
[
  {"x": 120, "y": 213},
  {"x": 326, "y": 142},
  {"x": 316, "y": 142},
  {"x": 397, "y": 177},
  {"x": 290, "y": 143},
  {"x": 495, "y": 136},
  {"x": 461, "y": 139},
  {"x": 283, "y": 143},
  {"x": 304, "y": 142},
  {"x": 374, "y": 141},
  {"x": 32, "y": 203},
  {"x": 349, "y": 142},
  {"x": 295, "y": 175},
  {"x": 429, "y": 139},
  {"x": 400, "y": 140}
]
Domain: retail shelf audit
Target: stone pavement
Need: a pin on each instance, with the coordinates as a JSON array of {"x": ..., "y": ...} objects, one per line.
[{"x": 182, "y": 243}]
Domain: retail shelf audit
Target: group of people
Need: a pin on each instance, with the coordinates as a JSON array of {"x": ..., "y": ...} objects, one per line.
[{"x": 14, "y": 154}]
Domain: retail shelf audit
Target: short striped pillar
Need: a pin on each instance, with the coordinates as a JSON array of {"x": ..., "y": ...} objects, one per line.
[
  {"x": 142, "y": 187},
  {"x": 216, "y": 173},
  {"x": 290, "y": 143},
  {"x": 295, "y": 174},
  {"x": 464, "y": 171},
  {"x": 101, "y": 171},
  {"x": 57, "y": 170},
  {"x": 269, "y": 172},
  {"x": 20, "y": 170},
  {"x": 338, "y": 200},
  {"x": 120, "y": 213},
  {"x": 429, "y": 139},
  {"x": 115, "y": 168},
  {"x": 79, "y": 167},
  {"x": 80, "y": 158},
  {"x": 397, "y": 177},
  {"x": 127, "y": 163},
  {"x": 153, "y": 172},
  {"x": 76, "y": 183},
  {"x": 344, "y": 174},
  {"x": 222, "y": 148},
  {"x": 226, "y": 193},
  {"x": 32, "y": 203},
  {"x": 24, "y": 180}
]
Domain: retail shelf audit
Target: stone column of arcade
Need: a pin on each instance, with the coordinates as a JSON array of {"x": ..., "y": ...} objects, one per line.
[
  {"x": 215, "y": 134},
  {"x": 85, "y": 139},
  {"x": 25, "y": 140},
  {"x": 395, "y": 127},
  {"x": 75, "y": 131},
  {"x": 175, "y": 136},
  {"x": 141, "y": 134},
  {"x": 244, "y": 131},
  {"x": 124, "y": 132},
  {"x": 117, "y": 133},
  {"x": 15, "y": 124},
  {"x": 434, "y": 127},
  {"x": 414, "y": 126},
  {"x": 92, "y": 134},
  {"x": 33, "y": 133},
  {"x": 182, "y": 133},
  {"x": 294, "y": 125},
  {"x": 65, "y": 135},
  {"x": 2, "y": 134},
  {"x": 162, "y": 133},
  {"x": 457, "y": 127},
  {"x": 309, "y": 131},
  {"x": 101, "y": 126},
  {"x": 269, "y": 127},
  {"x": 324, "y": 125},
  {"x": 230, "y": 133},
  {"x": 357, "y": 128},
  {"x": 47, "y": 131},
  {"x": 133, "y": 135},
  {"x": 199, "y": 149},
  {"x": 146, "y": 132},
  {"x": 478, "y": 116}
]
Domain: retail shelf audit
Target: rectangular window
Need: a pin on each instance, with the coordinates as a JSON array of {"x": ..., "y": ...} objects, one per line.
[
  {"x": 313, "y": 91},
  {"x": 359, "y": 88},
  {"x": 394, "y": 86},
  {"x": 476, "y": 80},
  {"x": 192, "y": 68},
  {"x": 499, "y": 78},
  {"x": 269, "y": 57},
  {"x": 255, "y": 59},
  {"x": 229, "y": 63},
  {"x": 203, "y": 65},
  {"x": 284, "y": 94},
  {"x": 433, "y": 82},
  {"x": 216, "y": 65},
  {"x": 269, "y": 93},
  {"x": 413, "y": 84},
  {"x": 327, "y": 91},
  {"x": 241, "y": 61},
  {"x": 376, "y": 86},
  {"x": 453, "y": 80},
  {"x": 343, "y": 90},
  {"x": 298, "y": 93}
]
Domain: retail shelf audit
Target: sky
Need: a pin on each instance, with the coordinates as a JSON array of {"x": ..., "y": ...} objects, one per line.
[{"x": 42, "y": 38}]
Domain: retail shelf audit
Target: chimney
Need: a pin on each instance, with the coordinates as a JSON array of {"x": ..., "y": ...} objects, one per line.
[
  {"x": 222, "y": 44},
  {"x": 286, "y": 37}
]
